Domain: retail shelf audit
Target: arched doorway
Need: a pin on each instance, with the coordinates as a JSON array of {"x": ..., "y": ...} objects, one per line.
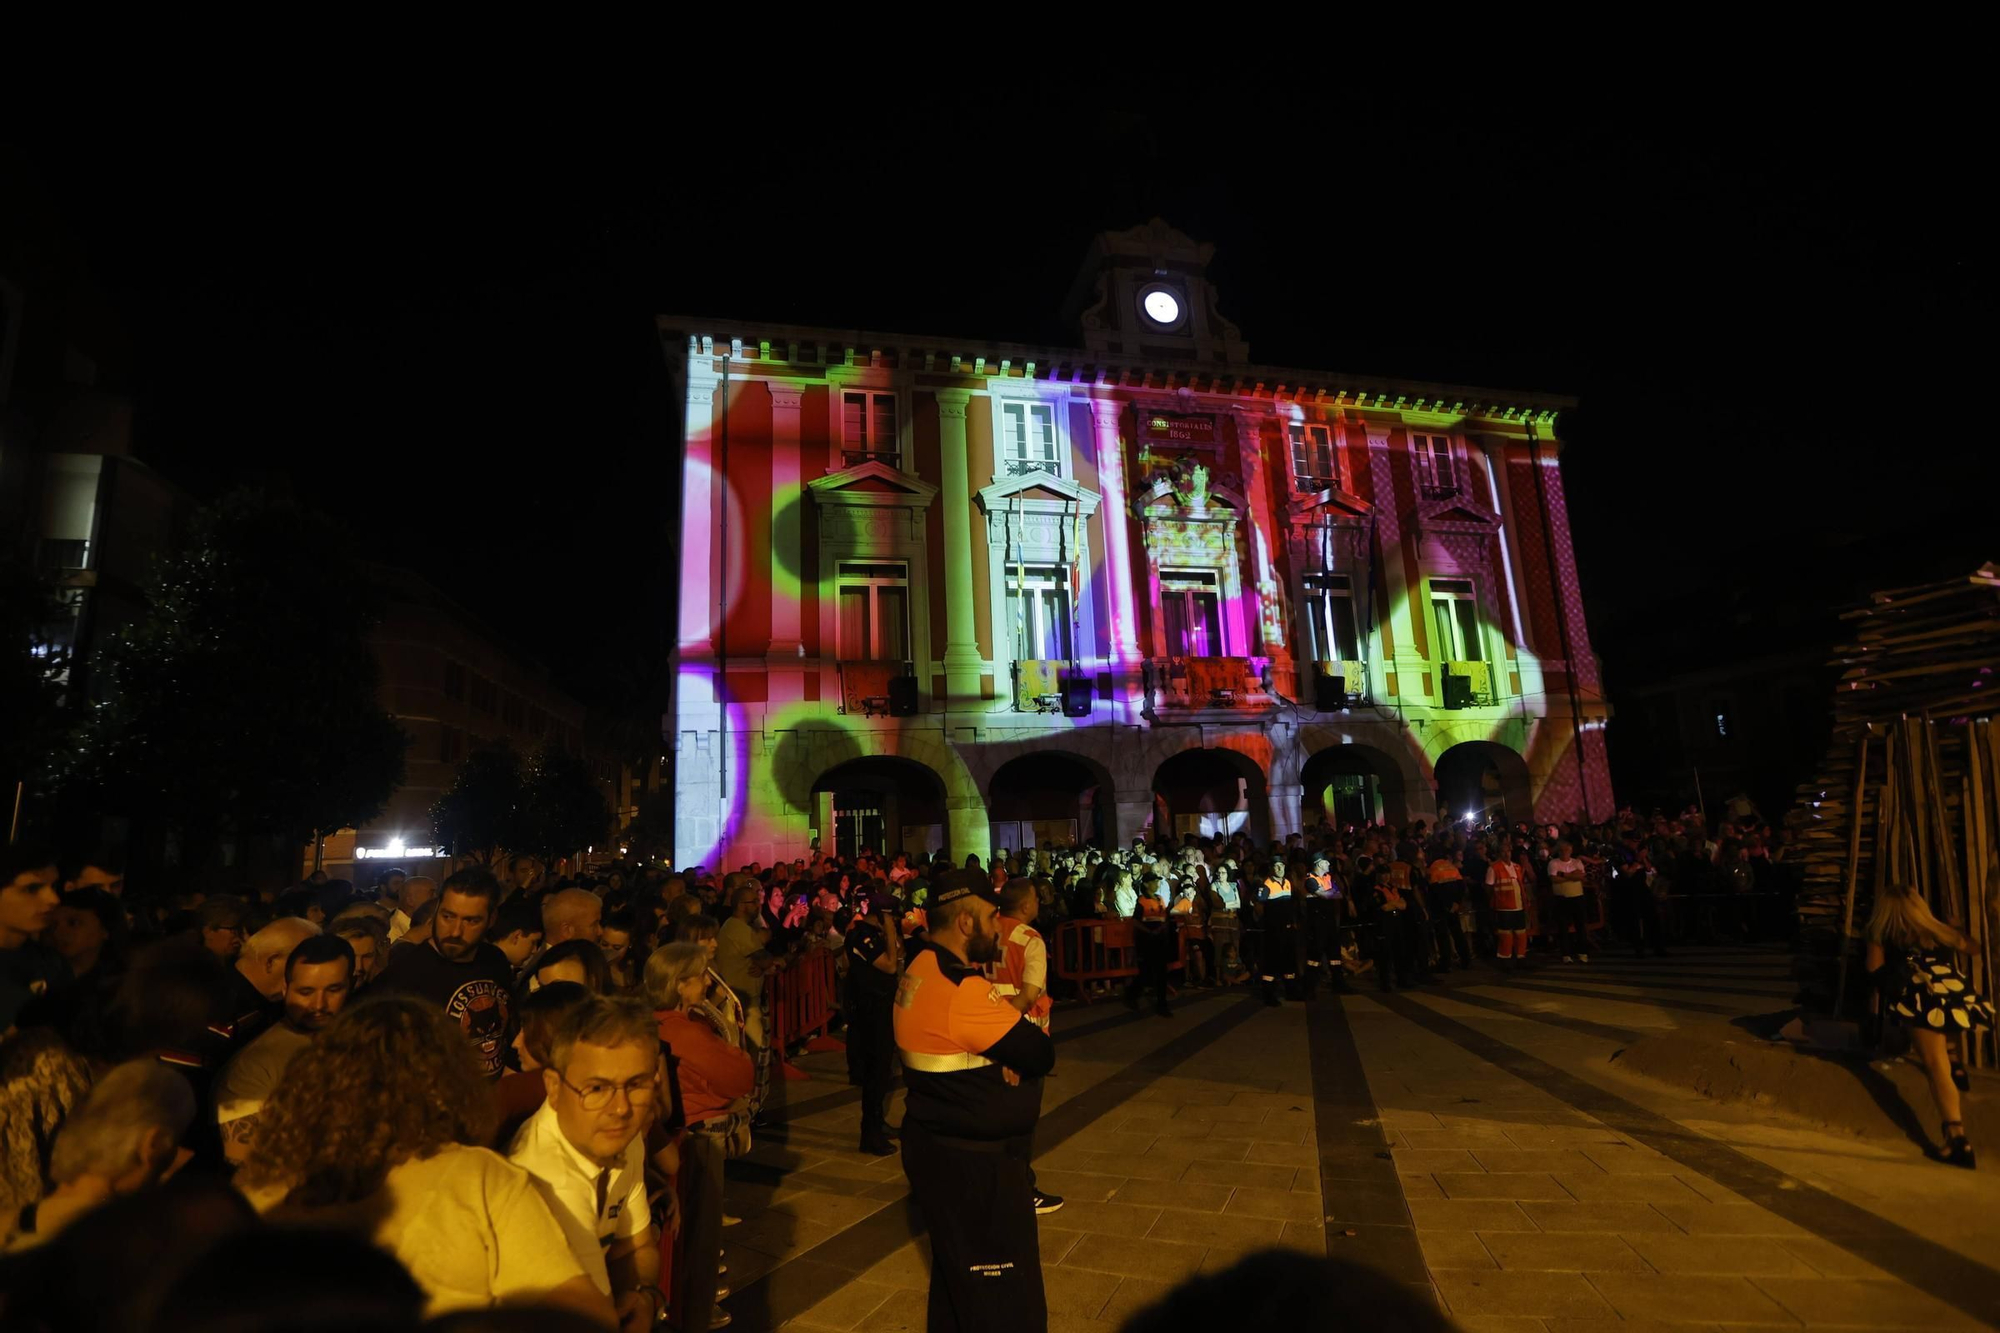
[
  {"x": 1210, "y": 793},
  {"x": 880, "y": 804},
  {"x": 1483, "y": 779},
  {"x": 1048, "y": 799},
  {"x": 1348, "y": 785}
]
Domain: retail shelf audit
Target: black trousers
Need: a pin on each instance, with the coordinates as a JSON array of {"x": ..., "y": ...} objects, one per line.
[
  {"x": 699, "y": 1186},
  {"x": 871, "y": 1056},
  {"x": 1280, "y": 955},
  {"x": 1571, "y": 914},
  {"x": 1642, "y": 919},
  {"x": 1155, "y": 950},
  {"x": 986, "y": 1258},
  {"x": 1449, "y": 933},
  {"x": 1395, "y": 953}
]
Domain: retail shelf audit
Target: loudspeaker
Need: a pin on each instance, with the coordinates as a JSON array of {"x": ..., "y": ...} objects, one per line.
[
  {"x": 1329, "y": 693},
  {"x": 1076, "y": 696},
  {"x": 902, "y": 696},
  {"x": 1457, "y": 691}
]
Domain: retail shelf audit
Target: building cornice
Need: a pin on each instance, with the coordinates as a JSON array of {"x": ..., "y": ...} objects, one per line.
[{"x": 791, "y": 350}]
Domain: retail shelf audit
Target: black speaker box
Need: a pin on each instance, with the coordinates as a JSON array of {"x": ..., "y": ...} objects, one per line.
[
  {"x": 1076, "y": 696},
  {"x": 1329, "y": 693},
  {"x": 1458, "y": 692},
  {"x": 902, "y": 696}
]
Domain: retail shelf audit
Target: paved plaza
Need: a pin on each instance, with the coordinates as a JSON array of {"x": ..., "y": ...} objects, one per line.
[{"x": 1473, "y": 1139}]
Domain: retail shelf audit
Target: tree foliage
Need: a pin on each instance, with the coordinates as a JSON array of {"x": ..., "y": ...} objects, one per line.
[
  {"x": 244, "y": 699},
  {"x": 479, "y": 816},
  {"x": 562, "y": 808},
  {"x": 650, "y": 835},
  {"x": 31, "y": 679}
]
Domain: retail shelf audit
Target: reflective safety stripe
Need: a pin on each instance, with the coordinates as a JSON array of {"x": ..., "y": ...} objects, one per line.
[{"x": 925, "y": 1063}]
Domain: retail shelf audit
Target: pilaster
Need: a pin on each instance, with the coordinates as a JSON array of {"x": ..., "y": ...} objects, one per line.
[
  {"x": 786, "y": 653},
  {"x": 962, "y": 662}
]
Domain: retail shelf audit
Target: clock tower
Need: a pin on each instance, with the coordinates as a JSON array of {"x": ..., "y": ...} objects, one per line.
[{"x": 1145, "y": 293}]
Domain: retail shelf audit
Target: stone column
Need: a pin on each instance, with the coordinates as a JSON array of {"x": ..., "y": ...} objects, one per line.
[
  {"x": 1266, "y": 528},
  {"x": 785, "y": 655},
  {"x": 969, "y": 833},
  {"x": 700, "y": 816},
  {"x": 1135, "y": 809},
  {"x": 962, "y": 662},
  {"x": 1120, "y": 578},
  {"x": 1286, "y": 799}
]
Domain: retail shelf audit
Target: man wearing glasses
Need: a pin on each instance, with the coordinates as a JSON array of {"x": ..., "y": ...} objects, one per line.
[{"x": 585, "y": 1149}]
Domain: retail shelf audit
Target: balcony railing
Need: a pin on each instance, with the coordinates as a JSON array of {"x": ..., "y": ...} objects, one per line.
[
  {"x": 1466, "y": 684},
  {"x": 1209, "y": 682},
  {"x": 1021, "y": 467},
  {"x": 1352, "y": 675},
  {"x": 1440, "y": 490},
  {"x": 856, "y": 457},
  {"x": 1309, "y": 485}
]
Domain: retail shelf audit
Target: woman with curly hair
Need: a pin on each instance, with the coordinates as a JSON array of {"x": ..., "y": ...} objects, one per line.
[
  {"x": 41, "y": 1081},
  {"x": 372, "y": 1130}
]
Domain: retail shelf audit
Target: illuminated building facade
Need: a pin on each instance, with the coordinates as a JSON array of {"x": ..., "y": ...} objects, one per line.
[{"x": 940, "y": 594}]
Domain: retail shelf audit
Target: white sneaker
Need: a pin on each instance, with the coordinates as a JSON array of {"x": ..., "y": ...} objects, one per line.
[
  {"x": 1583, "y": 958},
  {"x": 1568, "y": 959}
]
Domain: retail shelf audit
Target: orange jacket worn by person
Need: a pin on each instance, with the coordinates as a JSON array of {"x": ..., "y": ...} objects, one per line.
[
  {"x": 1024, "y": 963},
  {"x": 957, "y": 1037}
]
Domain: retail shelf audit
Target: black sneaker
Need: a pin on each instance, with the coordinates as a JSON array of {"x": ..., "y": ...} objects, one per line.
[
  {"x": 1047, "y": 1203},
  {"x": 878, "y": 1147}
]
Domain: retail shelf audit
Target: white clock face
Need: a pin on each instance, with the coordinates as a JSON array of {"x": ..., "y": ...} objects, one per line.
[{"x": 1162, "y": 307}]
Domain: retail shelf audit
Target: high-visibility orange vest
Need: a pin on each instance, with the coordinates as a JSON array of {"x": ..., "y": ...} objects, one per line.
[
  {"x": 948, "y": 1015},
  {"x": 1017, "y": 938}
]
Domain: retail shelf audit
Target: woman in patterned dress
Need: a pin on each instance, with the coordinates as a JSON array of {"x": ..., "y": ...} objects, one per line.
[{"x": 1912, "y": 960}]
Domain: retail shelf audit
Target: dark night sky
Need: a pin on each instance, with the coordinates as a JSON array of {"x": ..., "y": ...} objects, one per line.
[{"x": 443, "y": 335}]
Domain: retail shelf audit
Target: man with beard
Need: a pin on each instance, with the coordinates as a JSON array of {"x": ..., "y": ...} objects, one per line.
[
  {"x": 973, "y": 1065},
  {"x": 319, "y": 976},
  {"x": 457, "y": 970}
]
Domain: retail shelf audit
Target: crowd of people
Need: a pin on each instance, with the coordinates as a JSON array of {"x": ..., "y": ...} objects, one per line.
[{"x": 524, "y": 1088}]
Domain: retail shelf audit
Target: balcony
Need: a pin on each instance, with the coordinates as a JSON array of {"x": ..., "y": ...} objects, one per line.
[
  {"x": 1433, "y": 490},
  {"x": 1039, "y": 687},
  {"x": 1467, "y": 685},
  {"x": 1190, "y": 684},
  {"x": 1021, "y": 467},
  {"x": 1313, "y": 485},
  {"x": 877, "y": 689},
  {"x": 887, "y": 457},
  {"x": 1353, "y": 678}
]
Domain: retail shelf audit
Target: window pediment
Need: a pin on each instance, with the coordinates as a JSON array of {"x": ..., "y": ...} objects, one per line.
[
  {"x": 1329, "y": 506},
  {"x": 872, "y": 484},
  {"x": 1188, "y": 489},
  {"x": 1039, "y": 491},
  {"x": 1457, "y": 513}
]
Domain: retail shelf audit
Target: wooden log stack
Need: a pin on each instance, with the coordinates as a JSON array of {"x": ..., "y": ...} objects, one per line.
[{"x": 1910, "y": 788}]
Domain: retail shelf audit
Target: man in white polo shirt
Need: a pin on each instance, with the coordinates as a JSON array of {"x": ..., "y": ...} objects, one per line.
[
  {"x": 1566, "y": 882},
  {"x": 586, "y": 1153}
]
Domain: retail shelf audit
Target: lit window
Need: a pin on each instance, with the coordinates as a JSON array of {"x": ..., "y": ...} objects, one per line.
[
  {"x": 1434, "y": 470},
  {"x": 1332, "y": 630},
  {"x": 868, "y": 423},
  {"x": 874, "y": 602},
  {"x": 1312, "y": 457},
  {"x": 1192, "y": 613},
  {"x": 1038, "y": 608},
  {"x": 1028, "y": 441},
  {"x": 1455, "y": 616}
]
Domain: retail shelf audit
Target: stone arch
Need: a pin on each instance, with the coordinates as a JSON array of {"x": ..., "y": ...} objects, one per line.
[
  {"x": 1211, "y": 786},
  {"x": 1035, "y": 789},
  {"x": 804, "y": 757},
  {"x": 1481, "y": 777},
  {"x": 1355, "y": 783},
  {"x": 881, "y": 803}
]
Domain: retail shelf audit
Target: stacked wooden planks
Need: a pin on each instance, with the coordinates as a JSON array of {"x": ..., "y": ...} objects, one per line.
[{"x": 1910, "y": 789}]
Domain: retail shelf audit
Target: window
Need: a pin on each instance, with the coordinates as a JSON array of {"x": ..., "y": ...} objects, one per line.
[
  {"x": 1332, "y": 630},
  {"x": 1192, "y": 613},
  {"x": 869, "y": 429},
  {"x": 1038, "y": 608},
  {"x": 1312, "y": 457},
  {"x": 1435, "y": 478},
  {"x": 513, "y": 711},
  {"x": 1455, "y": 620},
  {"x": 451, "y": 745},
  {"x": 454, "y": 680},
  {"x": 485, "y": 697},
  {"x": 1028, "y": 442},
  {"x": 874, "y": 602}
]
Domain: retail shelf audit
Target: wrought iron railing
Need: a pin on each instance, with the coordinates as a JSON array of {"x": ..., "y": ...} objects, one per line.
[
  {"x": 1209, "y": 682},
  {"x": 856, "y": 457},
  {"x": 1021, "y": 467}
]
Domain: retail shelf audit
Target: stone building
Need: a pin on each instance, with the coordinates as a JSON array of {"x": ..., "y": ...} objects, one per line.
[{"x": 940, "y": 594}]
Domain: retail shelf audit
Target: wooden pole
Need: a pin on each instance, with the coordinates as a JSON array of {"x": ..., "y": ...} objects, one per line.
[
  {"x": 1853, "y": 869},
  {"x": 1947, "y": 854}
]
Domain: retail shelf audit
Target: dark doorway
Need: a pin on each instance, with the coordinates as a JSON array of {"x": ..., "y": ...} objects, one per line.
[
  {"x": 880, "y": 804},
  {"x": 1482, "y": 780},
  {"x": 1047, "y": 799},
  {"x": 1210, "y": 793},
  {"x": 1347, "y": 786}
]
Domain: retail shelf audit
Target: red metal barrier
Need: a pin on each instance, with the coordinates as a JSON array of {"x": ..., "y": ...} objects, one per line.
[
  {"x": 1098, "y": 952},
  {"x": 800, "y": 998}
]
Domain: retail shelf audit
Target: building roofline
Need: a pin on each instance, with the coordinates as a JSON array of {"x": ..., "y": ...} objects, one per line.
[{"x": 773, "y": 343}]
